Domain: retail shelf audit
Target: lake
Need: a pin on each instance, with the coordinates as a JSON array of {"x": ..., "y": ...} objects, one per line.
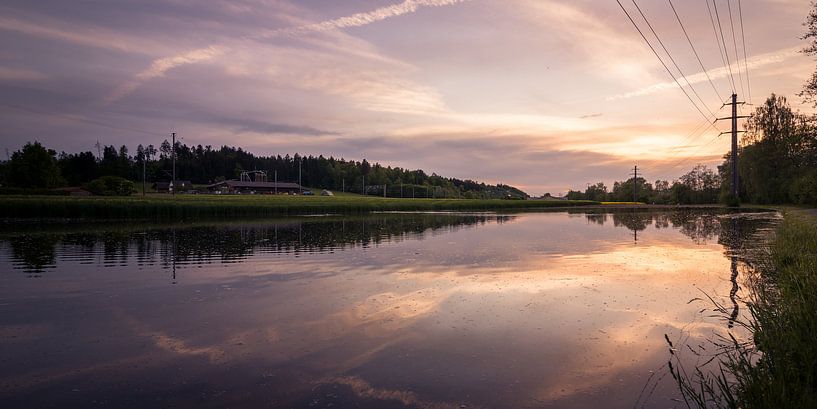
[{"x": 412, "y": 310}]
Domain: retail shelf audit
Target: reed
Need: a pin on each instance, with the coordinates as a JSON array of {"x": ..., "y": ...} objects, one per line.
[{"x": 776, "y": 366}]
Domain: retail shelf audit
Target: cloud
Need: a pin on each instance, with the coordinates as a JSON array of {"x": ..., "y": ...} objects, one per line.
[
  {"x": 258, "y": 126},
  {"x": 590, "y": 116},
  {"x": 20, "y": 74},
  {"x": 91, "y": 37},
  {"x": 161, "y": 66},
  {"x": 362, "y": 19},
  {"x": 754, "y": 62}
]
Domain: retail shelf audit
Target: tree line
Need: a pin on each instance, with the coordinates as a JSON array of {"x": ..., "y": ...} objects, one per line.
[
  {"x": 777, "y": 163},
  {"x": 37, "y": 167}
]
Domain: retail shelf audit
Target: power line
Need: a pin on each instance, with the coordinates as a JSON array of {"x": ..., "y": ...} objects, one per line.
[
  {"x": 670, "y": 57},
  {"x": 683, "y": 160},
  {"x": 725, "y": 50},
  {"x": 696, "y": 133},
  {"x": 745, "y": 63},
  {"x": 735, "y": 44},
  {"x": 79, "y": 119},
  {"x": 720, "y": 50},
  {"x": 661, "y": 60},
  {"x": 695, "y": 52}
]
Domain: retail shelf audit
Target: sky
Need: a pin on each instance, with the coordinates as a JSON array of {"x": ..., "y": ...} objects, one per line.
[{"x": 545, "y": 95}]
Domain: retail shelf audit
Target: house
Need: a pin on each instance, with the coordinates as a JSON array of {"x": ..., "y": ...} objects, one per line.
[
  {"x": 178, "y": 185},
  {"x": 237, "y": 186}
]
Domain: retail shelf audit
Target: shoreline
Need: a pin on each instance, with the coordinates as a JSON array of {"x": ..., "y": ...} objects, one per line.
[
  {"x": 183, "y": 207},
  {"x": 194, "y": 207}
]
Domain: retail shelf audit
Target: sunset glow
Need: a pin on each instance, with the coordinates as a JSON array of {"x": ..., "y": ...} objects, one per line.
[{"x": 544, "y": 95}]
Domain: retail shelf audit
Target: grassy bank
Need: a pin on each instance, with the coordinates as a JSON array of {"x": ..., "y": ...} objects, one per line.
[
  {"x": 212, "y": 206},
  {"x": 777, "y": 367}
]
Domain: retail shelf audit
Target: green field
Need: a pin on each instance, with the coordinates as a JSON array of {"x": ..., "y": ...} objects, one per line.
[{"x": 213, "y": 206}]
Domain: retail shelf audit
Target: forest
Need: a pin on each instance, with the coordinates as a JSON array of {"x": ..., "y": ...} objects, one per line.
[{"x": 37, "y": 168}]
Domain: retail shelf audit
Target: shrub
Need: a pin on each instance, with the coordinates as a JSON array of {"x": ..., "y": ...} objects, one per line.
[
  {"x": 729, "y": 199},
  {"x": 804, "y": 189},
  {"x": 111, "y": 186}
]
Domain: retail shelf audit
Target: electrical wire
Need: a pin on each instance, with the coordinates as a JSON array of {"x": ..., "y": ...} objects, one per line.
[
  {"x": 715, "y": 31},
  {"x": 84, "y": 120},
  {"x": 661, "y": 60},
  {"x": 714, "y": 88},
  {"x": 735, "y": 44},
  {"x": 725, "y": 50},
  {"x": 670, "y": 57},
  {"x": 745, "y": 63}
]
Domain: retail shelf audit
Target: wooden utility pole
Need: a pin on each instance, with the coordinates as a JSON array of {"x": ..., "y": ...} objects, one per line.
[
  {"x": 635, "y": 184},
  {"x": 144, "y": 160},
  {"x": 173, "y": 154},
  {"x": 276, "y": 182}
]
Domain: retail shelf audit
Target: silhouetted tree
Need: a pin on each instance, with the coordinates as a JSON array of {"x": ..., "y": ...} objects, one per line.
[
  {"x": 34, "y": 167},
  {"x": 810, "y": 88}
]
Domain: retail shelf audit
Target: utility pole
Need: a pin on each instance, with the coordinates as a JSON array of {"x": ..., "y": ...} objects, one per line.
[
  {"x": 343, "y": 185},
  {"x": 364, "y": 185},
  {"x": 300, "y": 186},
  {"x": 173, "y": 154},
  {"x": 276, "y": 182},
  {"x": 734, "y": 156},
  {"x": 735, "y": 180},
  {"x": 635, "y": 184},
  {"x": 384, "y": 190},
  {"x": 144, "y": 161}
]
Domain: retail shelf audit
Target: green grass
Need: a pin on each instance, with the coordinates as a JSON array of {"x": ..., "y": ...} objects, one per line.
[
  {"x": 622, "y": 203},
  {"x": 213, "y": 206},
  {"x": 777, "y": 366}
]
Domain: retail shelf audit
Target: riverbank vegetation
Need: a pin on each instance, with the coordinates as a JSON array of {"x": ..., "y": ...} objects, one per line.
[
  {"x": 777, "y": 164},
  {"x": 214, "y": 206},
  {"x": 776, "y": 366}
]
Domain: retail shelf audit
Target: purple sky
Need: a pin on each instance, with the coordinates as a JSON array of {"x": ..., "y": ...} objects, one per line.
[{"x": 542, "y": 94}]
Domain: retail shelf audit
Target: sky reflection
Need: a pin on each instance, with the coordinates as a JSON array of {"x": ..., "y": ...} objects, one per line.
[{"x": 426, "y": 311}]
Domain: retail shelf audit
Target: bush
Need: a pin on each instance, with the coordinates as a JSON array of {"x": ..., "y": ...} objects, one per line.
[
  {"x": 804, "y": 189},
  {"x": 729, "y": 199},
  {"x": 111, "y": 186}
]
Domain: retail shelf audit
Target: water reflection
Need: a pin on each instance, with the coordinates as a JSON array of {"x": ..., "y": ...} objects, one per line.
[
  {"x": 400, "y": 311},
  {"x": 37, "y": 250}
]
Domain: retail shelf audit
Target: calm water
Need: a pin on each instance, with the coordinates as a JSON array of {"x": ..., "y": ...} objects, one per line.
[{"x": 391, "y": 310}]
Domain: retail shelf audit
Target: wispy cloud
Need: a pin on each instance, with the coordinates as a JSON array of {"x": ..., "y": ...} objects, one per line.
[
  {"x": 90, "y": 37},
  {"x": 159, "y": 67},
  {"x": 754, "y": 62},
  {"x": 362, "y": 19},
  {"x": 20, "y": 74}
]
